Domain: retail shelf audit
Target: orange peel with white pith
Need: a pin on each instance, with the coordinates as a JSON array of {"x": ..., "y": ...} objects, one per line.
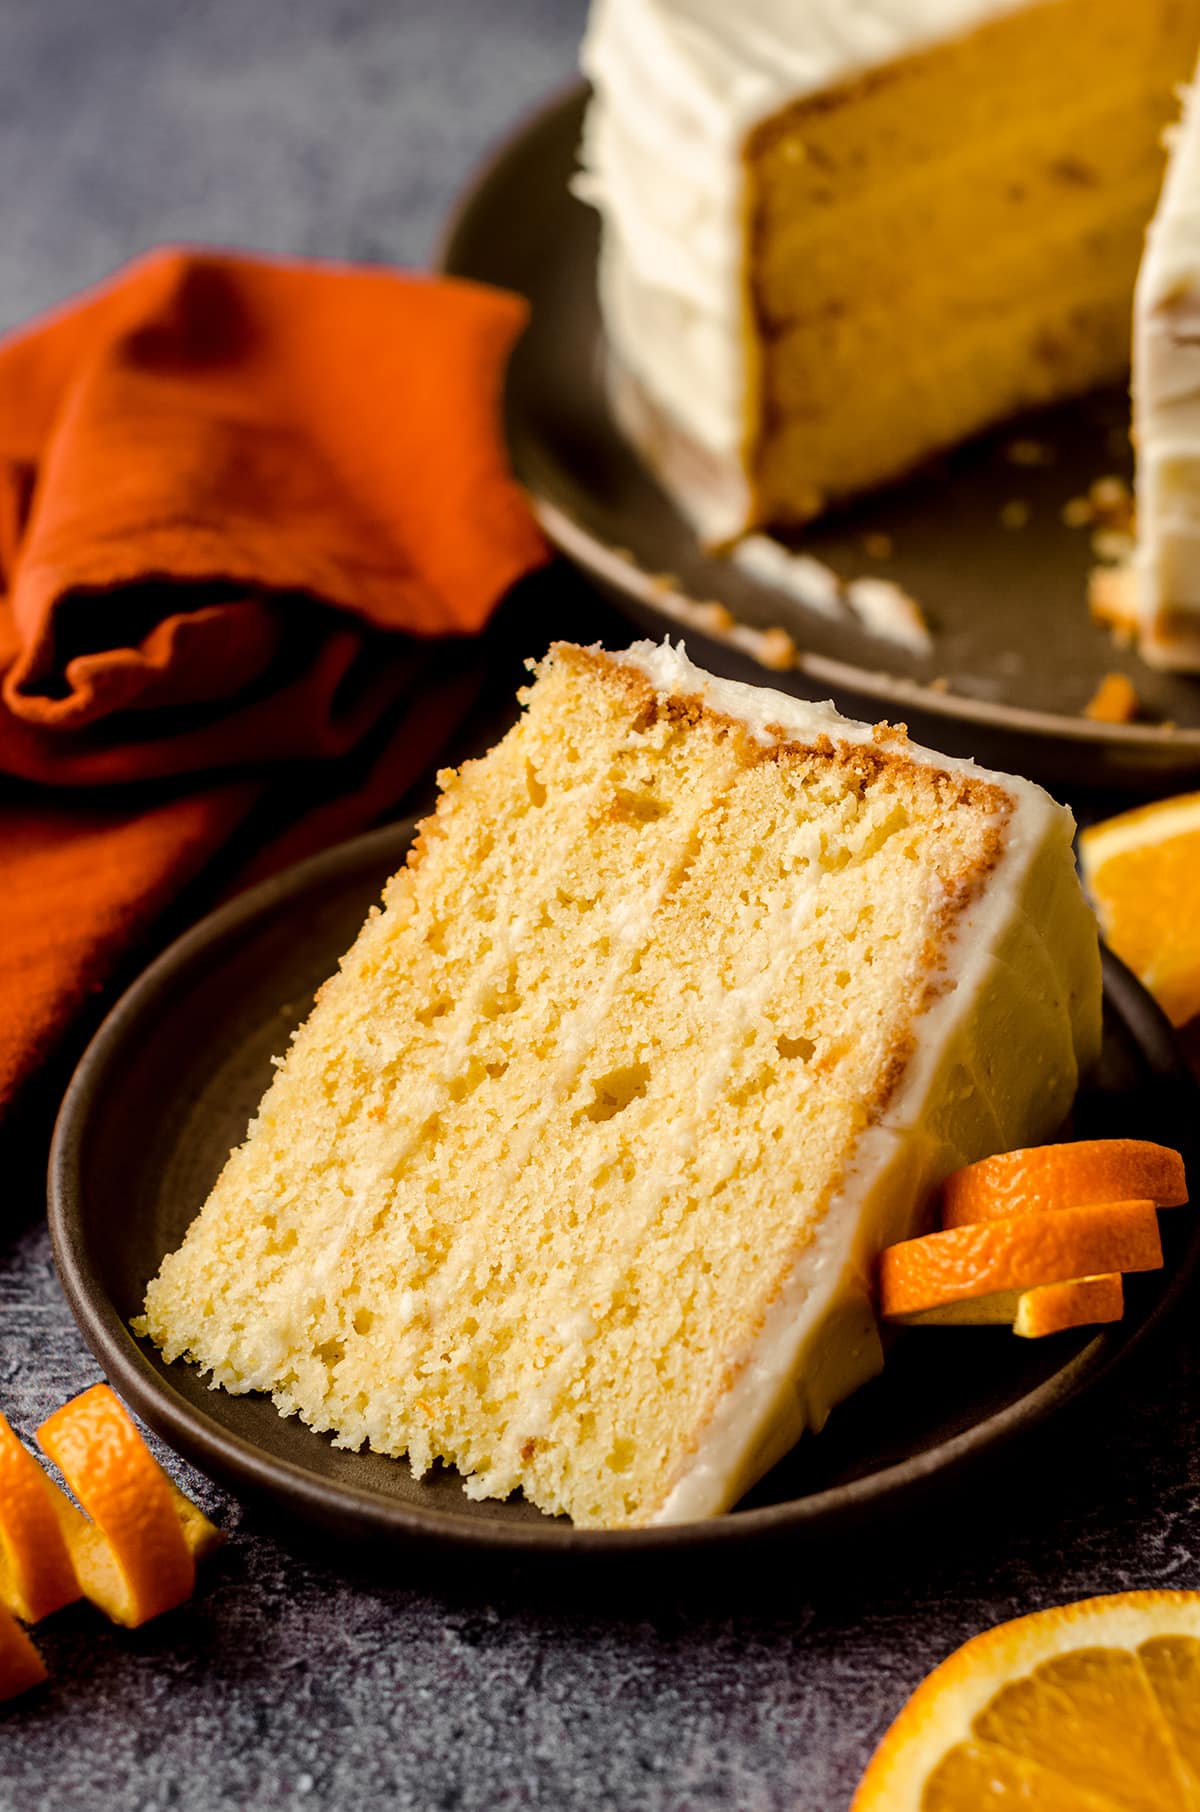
[
  {"x": 37, "y": 1575},
  {"x": 1083, "y": 1302},
  {"x": 21, "y": 1667},
  {"x": 134, "y": 1550}
]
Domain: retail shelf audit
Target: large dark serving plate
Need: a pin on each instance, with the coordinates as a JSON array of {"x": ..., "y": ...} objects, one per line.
[
  {"x": 175, "y": 1073},
  {"x": 1015, "y": 658}
]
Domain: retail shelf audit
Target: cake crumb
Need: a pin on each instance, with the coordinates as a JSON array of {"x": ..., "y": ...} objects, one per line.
[
  {"x": 939, "y": 683},
  {"x": 877, "y": 546},
  {"x": 1112, "y": 501},
  {"x": 1015, "y": 514},
  {"x": 1113, "y": 702},
  {"x": 714, "y": 617},
  {"x": 1113, "y": 545},
  {"x": 1023, "y": 452},
  {"x": 777, "y": 650},
  {"x": 1108, "y": 505},
  {"x": 1111, "y": 601}
]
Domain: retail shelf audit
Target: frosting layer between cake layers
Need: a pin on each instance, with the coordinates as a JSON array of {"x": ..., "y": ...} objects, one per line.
[
  {"x": 677, "y": 86},
  {"x": 1166, "y": 412},
  {"x": 996, "y": 1063}
]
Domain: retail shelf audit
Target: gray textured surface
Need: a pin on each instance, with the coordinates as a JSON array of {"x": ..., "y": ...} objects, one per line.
[{"x": 344, "y": 129}]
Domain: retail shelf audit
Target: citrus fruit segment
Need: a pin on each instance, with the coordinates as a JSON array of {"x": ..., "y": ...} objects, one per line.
[
  {"x": 133, "y": 1557},
  {"x": 1017, "y": 1253},
  {"x": 1052, "y": 1308},
  {"x": 1142, "y": 870},
  {"x": 20, "y": 1664},
  {"x": 1172, "y": 1665},
  {"x": 36, "y": 1572},
  {"x": 1064, "y": 1176},
  {"x": 1090, "y": 1707}
]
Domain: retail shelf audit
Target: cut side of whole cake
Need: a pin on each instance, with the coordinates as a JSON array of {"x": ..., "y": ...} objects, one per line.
[
  {"x": 1158, "y": 594},
  {"x": 838, "y": 237},
  {"x": 688, "y": 995}
]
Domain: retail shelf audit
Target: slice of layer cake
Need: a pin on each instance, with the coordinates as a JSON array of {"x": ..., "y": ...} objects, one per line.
[
  {"x": 839, "y": 236},
  {"x": 688, "y": 994},
  {"x": 1160, "y": 590}
]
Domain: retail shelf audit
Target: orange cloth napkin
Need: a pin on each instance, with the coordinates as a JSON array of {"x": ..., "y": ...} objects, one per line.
[{"x": 198, "y": 460}]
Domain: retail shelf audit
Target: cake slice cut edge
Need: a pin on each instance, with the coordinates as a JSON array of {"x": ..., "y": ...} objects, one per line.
[{"x": 688, "y": 995}]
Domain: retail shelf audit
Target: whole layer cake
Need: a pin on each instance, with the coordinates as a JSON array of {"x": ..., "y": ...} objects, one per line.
[
  {"x": 687, "y": 996},
  {"x": 840, "y": 235}
]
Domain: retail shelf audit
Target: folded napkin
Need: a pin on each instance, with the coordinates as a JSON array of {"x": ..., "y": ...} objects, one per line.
[{"x": 238, "y": 501}]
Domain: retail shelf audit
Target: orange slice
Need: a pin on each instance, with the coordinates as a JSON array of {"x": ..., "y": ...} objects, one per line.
[
  {"x": 136, "y": 1557},
  {"x": 1055, "y": 1307},
  {"x": 1017, "y": 1253},
  {"x": 20, "y": 1664},
  {"x": 1091, "y": 1707},
  {"x": 36, "y": 1572},
  {"x": 1142, "y": 870},
  {"x": 1064, "y": 1176}
]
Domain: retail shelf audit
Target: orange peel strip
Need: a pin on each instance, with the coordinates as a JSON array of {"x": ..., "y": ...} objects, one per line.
[
  {"x": 20, "y": 1664},
  {"x": 1064, "y": 1176},
  {"x": 135, "y": 1551},
  {"x": 1019, "y": 1252},
  {"x": 37, "y": 1575},
  {"x": 1052, "y": 1308},
  {"x": 1045, "y": 1309}
]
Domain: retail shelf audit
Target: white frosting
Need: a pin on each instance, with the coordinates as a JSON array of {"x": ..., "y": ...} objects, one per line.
[
  {"x": 801, "y": 576},
  {"x": 885, "y": 608},
  {"x": 1166, "y": 410},
  {"x": 818, "y": 1340},
  {"x": 878, "y": 605},
  {"x": 677, "y": 84}
]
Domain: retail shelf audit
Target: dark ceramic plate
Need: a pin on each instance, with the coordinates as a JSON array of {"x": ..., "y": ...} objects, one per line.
[
  {"x": 174, "y": 1075},
  {"x": 1013, "y": 640}
]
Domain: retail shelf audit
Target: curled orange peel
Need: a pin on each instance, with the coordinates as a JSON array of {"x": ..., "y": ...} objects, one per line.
[
  {"x": 935, "y": 1276},
  {"x": 20, "y": 1664},
  {"x": 134, "y": 1550},
  {"x": 1053, "y": 1308},
  {"x": 1075, "y": 1175},
  {"x": 37, "y": 1575}
]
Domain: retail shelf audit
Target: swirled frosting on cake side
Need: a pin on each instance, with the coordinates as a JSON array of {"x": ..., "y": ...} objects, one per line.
[{"x": 677, "y": 84}]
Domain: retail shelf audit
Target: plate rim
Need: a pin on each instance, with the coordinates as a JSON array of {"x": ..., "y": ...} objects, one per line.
[
  {"x": 616, "y": 567},
  {"x": 240, "y": 1464}
]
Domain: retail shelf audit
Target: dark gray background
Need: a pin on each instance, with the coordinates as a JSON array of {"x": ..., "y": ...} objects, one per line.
[{"x": 345, "y": 129}]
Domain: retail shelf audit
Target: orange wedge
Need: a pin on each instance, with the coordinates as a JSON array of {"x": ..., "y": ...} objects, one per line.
[
  {"x": 1064, "y": 1176},
  {"x": 971, "y": 1264},
  {"x": 1055, "y": 1307},
  {"x": 1142, "y": 870},
  {"x": 1091, "y": 1707},
  {"x": 136, "y": 1556},
  {"x": 20, "y": 1664},
  {"x": 36, "y": 1572}
]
